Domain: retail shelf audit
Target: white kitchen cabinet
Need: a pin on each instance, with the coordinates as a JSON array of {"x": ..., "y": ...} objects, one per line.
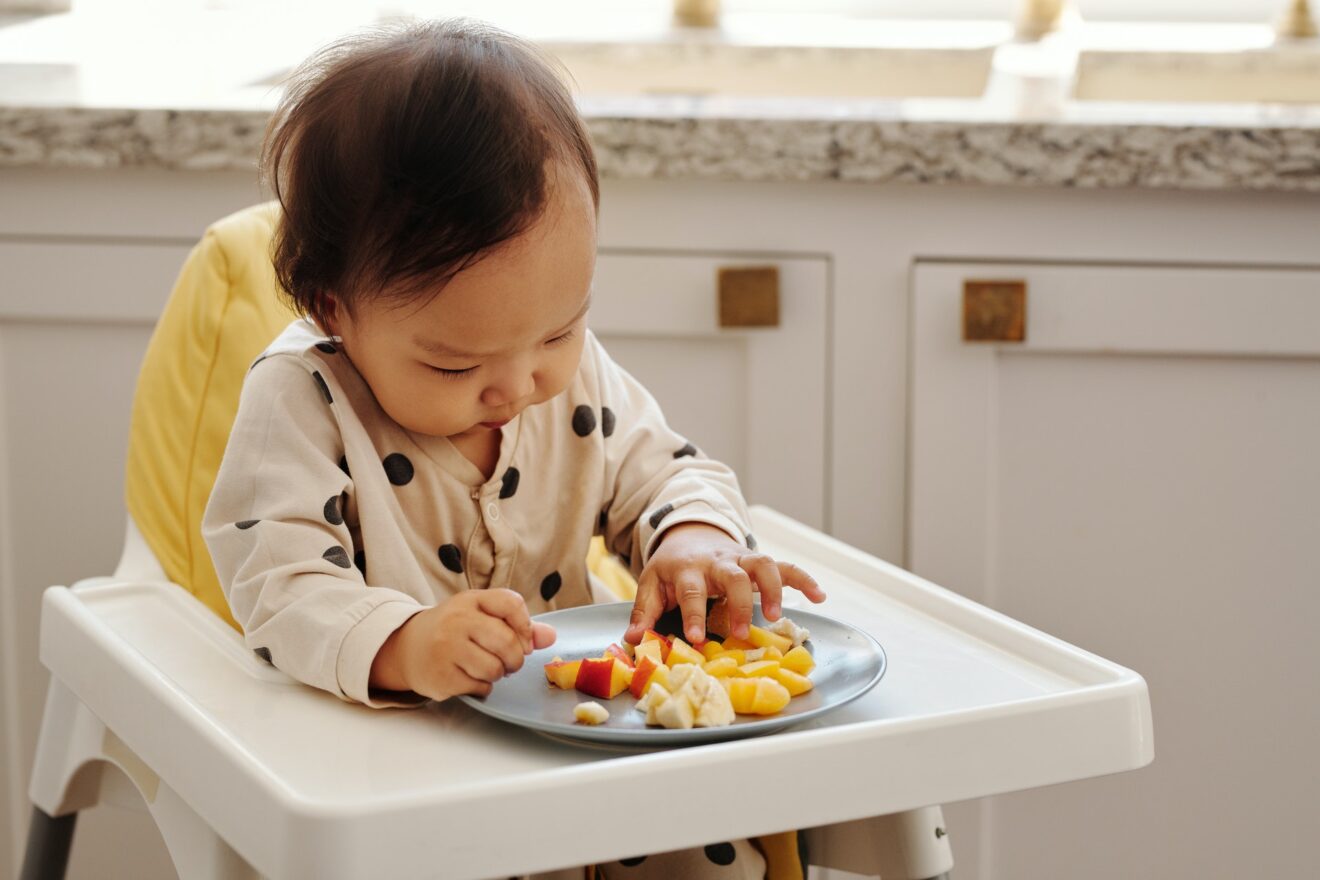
[
  {"x": 752, "y": 397},
  {"x": 1139, "y": 477}
]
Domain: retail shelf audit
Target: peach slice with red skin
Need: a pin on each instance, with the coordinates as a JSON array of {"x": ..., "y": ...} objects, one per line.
[
  {"x": 652, "y": 636},
  {"x": 602, "y": 677},
  {"x": 646, "y": 667},
  {"x": 619, "y": 654},
  {"x": 562, "y": 673}
]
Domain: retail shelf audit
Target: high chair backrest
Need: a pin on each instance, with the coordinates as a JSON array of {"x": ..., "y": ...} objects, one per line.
[{"x": 224, "y": 310}]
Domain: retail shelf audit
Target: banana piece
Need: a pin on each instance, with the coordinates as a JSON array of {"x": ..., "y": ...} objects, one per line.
[{"x": 697, "y": 700}]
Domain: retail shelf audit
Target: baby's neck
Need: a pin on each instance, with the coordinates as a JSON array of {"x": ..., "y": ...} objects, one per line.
[{"x": 483, "y": 450}]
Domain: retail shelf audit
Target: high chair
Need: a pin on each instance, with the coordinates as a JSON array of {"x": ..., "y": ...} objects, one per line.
[{"x": 153, "y": 695}]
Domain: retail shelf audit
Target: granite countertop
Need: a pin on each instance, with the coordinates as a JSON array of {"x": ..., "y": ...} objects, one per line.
[{"x": 70, "y": 97}]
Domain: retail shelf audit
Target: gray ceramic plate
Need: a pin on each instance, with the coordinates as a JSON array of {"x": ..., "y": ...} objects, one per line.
[{"x": 849, "y": 663}]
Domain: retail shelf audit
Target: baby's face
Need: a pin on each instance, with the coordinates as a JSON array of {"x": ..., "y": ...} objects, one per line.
[{"x": 503, "y": 334}]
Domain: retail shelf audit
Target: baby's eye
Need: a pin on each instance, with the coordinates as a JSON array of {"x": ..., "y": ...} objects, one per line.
[
  {"x": 451, "y": 374},
  {"x": 562, "y": 338}
]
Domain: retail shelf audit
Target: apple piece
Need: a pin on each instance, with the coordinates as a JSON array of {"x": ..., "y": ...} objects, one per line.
[
  {"x": 619, "y": 654},
  {"x": 721, "y": 667},
  {"x": 798, "y": 660},
  {"x": 652, "y": 636},
  {"x": 763, "y": 638},
  {"x": 652, "y": 649},
  {"x": 602, "y": 677},
  {"x": 759, "y": 669},
  {"x": 562, "y": 673},
  {"x": 681, "y": 652},
  {"x": 771, "y": 696},
  {"x": 796, "y": 683},
  {"x": 641, "y": 676},
  {"x": 711, "y": 649}
]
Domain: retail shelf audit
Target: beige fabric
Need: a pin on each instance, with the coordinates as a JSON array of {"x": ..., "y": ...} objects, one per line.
[{"x": 330, "y": 524}]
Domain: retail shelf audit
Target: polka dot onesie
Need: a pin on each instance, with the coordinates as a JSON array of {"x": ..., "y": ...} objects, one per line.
[{"x": 330, "y": 524}]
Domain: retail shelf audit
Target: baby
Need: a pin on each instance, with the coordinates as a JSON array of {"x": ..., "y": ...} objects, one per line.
[{"x": 419, "y": 463}]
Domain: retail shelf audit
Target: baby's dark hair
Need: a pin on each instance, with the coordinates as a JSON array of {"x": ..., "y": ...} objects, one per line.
[{"x": 402, "y": 155}]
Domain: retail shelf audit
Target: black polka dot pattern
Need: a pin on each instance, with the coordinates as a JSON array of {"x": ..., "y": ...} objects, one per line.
[
  {"x": 333, "y": 514},
  {"x": 325, "y": 389},
  {"x": 606, "y": 421},
  {"x": 246, "y": 523},
  {"x": 338, "y": 555},
  {"x": 584, "y": 420},
  {"x": 264, "y": 654},
  {"x": 327, "y": 347},
  {"x": 509, "y": 484},
  {"x": 751, "y": 541},
  {"x": 360, "y": 560},
  {"x": 720, "y": 853},
  {"x": 688, "y": 449},
  {"x": 343, "y": 465},
  {"x": 452, "y": 558},
  {"x": 660, "y": 514},
  {"x": 550, "y": 585},
  {"x": 398, "y": 468},
  {"x": 633, "y": 862}
]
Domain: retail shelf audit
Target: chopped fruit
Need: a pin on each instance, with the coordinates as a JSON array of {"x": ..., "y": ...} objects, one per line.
[
  {"x": 617, "y": 652},
  {"x": 735, "y": 642},
  {"x": 790, "y": 630},
  {"x": 772, "y": 653},
  {"x": 696, "y": 700},
  {"x": 717, "y": 619},
  {"x": 763, "y": 638},
  {"x": 591, "y": 713},
  {"x": 721, "y": 666},
  {"x": 653, "y": 649},
  {"x": 601, "y": 677},
  {"x": 753, "y": 655},
  {"x": 739, "y": 656},
  {"x": 771, "y": 697},
  {"x": 711, "y": 649},
  {"x": 562, "y": 673},
  {"x": 742, "y": 692},
  {"x": 652, "y": 636},
  {"x": 798, "y": 660},
  {"x": 642, "y": 676},
  {"x": 760, "y": 668},
  {"x": 681, "y": 652},
  {"x": 660, "y": 677},
  {"x": 794, "y": 682}
]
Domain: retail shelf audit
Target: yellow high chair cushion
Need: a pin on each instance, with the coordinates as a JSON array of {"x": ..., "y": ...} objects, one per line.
[{"x": 224, "y": 310}]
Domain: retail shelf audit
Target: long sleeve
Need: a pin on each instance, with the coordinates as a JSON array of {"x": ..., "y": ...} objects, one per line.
[
  {"x": 655, "y": 477},
  {"x": 277, "y": 532}
]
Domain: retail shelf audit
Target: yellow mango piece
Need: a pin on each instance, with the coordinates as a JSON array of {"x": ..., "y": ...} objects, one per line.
[
  {"x": 721, "y": 667},
  {"x": 734, "y": 642},
  {"x": 739, "y": 656},
  {"x": 760, "y": 668},
  {"x": 711, "y": 649},
  {"x": 798, "y": 660},
  {"x": 772, "y": 653},
  {"x": 795, "y": 683},
  {"x": 652, "y": 649},
  {"x": 763, "y": 638},
  {"x": 681, "y": 652},
  {"x": 771, "y": 696},
  {"x": 742, "y": 693}
]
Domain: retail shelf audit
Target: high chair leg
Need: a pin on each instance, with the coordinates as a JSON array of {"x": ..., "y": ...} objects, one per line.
[{"x": 48, "y": 842}]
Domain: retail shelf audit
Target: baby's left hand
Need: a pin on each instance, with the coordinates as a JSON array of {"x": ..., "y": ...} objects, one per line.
[{"x": 694, "y": 561}]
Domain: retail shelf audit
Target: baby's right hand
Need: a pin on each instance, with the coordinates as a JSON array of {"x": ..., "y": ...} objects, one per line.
[{"x": 461, "y": 646}]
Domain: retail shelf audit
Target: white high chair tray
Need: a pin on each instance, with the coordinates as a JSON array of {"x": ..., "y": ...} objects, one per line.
[{"x": 304, "y": 785}]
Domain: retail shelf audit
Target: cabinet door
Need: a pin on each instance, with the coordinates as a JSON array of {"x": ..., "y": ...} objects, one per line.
[
  {"x": 754, "y": 398},
  {"x": 1140, "y": 477}
]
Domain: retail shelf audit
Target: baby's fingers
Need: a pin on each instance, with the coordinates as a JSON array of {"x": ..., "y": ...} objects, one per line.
[
  {"x": 690, "y": 590},
  {"x": 649, "y": 605},
  {"x": 512, "y": 609},
  {"x": 795, "y": 577}
]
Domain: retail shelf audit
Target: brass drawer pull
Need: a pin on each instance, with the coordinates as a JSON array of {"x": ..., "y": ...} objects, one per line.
[
  {"x": 995, "y": 311},
  {"x": 749, "y": 296}
]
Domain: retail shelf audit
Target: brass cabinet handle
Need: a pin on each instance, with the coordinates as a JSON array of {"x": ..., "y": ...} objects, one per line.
[
  {"x": 995, "y": 311},
  {"x": 748, "y": 296}
]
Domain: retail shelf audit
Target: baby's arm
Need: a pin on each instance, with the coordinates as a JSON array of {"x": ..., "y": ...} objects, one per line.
[
  {"x": 679, "y": 517},
  {"x": 276, "y": 530}
]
